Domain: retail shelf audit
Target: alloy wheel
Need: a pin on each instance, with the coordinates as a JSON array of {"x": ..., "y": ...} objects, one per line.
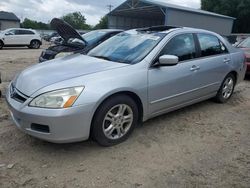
[
  {"x": 117, "y": 121},
  {"x": 228, "y": 87}
]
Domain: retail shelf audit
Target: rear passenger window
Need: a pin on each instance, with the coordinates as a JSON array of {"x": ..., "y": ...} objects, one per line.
[
  {"x": 182, "y": 46},
  {"x": 26, "y": 32},
  {"x": 210, "y": 45}
]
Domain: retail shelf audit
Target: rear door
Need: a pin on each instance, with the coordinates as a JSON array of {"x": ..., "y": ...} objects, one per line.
[
  {"x": 212, "y": 66},
  {"x": 26, "y": 36}
]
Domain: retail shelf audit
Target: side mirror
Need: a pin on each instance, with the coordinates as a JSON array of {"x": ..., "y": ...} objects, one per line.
[
  {"x": 168, "y": 60},
  {"x": 76, "y": 42},
  {"x": 8, "y": 34}
]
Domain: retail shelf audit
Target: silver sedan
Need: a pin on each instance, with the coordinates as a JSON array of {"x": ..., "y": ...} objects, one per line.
[{"x": 130, "y": 78}]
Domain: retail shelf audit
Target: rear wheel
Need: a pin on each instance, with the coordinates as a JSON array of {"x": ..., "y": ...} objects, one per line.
[
  {"x": 1, "y": 44},
  {"x": 226, "y": 89},
  {"x": 34, "y": 44},
  {"x": 114, "y": 120}
]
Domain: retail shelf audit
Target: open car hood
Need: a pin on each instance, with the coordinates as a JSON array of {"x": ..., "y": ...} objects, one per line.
[{"x": 65, "y": 30}]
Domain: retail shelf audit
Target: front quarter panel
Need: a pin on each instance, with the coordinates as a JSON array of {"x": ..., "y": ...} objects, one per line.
[{"x": 99, "y": 86}]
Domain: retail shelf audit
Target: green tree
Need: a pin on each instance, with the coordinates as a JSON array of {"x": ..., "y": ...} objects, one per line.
[
  {"x": 76, "y": 20},
  {"x": 240, "y": 9},
  {"x": 103, "y": 23},
  {"x": 32, "y": 24}
]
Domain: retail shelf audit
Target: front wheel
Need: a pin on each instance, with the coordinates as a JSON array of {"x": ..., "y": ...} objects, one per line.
[
  {"x": 114, "y": 120},
  {"x": 226, "y": 89}
]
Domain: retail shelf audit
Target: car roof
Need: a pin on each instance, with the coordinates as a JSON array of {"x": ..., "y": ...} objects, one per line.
[
  {"x": 168, "y": 28},
  {"x": 20, "y": 29}
]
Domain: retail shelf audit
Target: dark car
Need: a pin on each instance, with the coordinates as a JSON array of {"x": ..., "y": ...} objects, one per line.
[
  {"x": 73, "y": 42},
  {"x": 245, "y": 45},
  {"x": 48, "y": 37}
]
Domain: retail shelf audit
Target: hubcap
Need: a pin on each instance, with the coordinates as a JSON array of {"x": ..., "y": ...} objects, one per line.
[
  {"x": 228, "y": 88},
  {"x": 35, "y": 44},
  {"x": 117, "y": 121}
]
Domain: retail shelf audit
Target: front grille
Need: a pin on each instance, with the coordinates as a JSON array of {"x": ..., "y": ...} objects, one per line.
[{"x": 17, "y": 95}]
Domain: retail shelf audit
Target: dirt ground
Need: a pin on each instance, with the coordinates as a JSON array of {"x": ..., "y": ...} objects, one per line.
[{"x": 204, "y": 145}]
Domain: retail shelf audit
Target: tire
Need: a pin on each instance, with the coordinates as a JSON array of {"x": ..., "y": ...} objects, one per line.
[
  {"x": 1, "y": 44},
  {"x": 108, "y": 121},
  {"x": 226, "y": 90},
  {"x": 35, "y": 44}
]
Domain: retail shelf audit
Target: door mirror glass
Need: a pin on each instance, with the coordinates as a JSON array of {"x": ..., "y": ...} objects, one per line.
[{"x": 168, "y": 60}]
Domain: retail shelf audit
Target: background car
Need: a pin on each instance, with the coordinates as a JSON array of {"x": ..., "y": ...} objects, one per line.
[
  {"x": 72, "y": 42},
  {"x": 16, "y": 37},
  {"x": 48, "y": 37},
  {"x": 132, "y": 77},
  {"x": 245, "y": 45}
]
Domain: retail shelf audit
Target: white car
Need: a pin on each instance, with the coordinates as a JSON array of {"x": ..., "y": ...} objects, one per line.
[{"x": 16, "y": 37}]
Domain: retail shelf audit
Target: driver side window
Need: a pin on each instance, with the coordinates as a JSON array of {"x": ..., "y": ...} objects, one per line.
[{"x": 182, "y": 46}]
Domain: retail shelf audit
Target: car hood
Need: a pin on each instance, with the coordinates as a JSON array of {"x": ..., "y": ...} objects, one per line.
[
  {"x": 65, "y": 30},
  {"x": 41, "y": 75}
]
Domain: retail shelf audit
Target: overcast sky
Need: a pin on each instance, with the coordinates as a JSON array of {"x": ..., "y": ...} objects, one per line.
[{"x": 93, "y": 10}]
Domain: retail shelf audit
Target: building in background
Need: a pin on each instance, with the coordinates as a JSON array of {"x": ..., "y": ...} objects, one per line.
[
  {"x": 144, "y": 13},
  {"x": 8, "y": 20}
]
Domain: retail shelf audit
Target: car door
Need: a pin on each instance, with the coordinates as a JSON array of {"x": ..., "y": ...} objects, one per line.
[
  {"x": 10, "y": 37},
  {"x": 212, "y": 66},
  {"x": 171, "y": 86},
  {"x": 23, "y": 37}
]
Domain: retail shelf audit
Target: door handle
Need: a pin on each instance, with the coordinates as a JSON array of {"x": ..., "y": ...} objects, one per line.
[
  {"x": 226, "y": 60},
  {"x": 194, "y": 68}
]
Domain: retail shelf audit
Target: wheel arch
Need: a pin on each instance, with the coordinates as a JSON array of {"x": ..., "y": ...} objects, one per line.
[
  {"x": 235, "y": 75},
  {"x": 36, "y": 40},
  {"x": 131, "y": 94},
  {"x": 1, "y": 41}
]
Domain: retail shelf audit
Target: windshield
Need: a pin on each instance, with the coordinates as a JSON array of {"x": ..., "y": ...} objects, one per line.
[
  {"x": 245, "y": 43},
  {"x": 127, "y": 47},
  {"x": 93, "y": 36}
]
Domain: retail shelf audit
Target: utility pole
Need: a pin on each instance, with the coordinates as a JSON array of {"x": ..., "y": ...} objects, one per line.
[{"x": 110, "y": 7}]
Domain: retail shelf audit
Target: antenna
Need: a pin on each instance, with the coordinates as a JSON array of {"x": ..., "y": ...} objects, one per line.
[{"x": 110, "y": 7}]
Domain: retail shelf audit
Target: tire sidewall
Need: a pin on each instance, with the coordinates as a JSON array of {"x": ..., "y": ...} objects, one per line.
[
  {"x": 1, "y": 44},
  {"x": 97, "y": 130},
  {"x": 219, "y": 96},
  {"x": 32, "y": 44}
]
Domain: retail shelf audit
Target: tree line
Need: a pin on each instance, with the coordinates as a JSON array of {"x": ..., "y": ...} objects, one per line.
[
  {"x": 75, "y": 19},
  {"x": 239, "y": 9}
]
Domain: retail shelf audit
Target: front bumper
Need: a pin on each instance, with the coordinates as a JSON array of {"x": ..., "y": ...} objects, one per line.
[{"x": 65, "y": 125}]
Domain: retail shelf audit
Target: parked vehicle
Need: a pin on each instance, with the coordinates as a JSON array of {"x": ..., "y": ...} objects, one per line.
[
  {"x": 17, "y": 37},
  {"x": 132, "y": 77},
  {"x": 48, "y": 37},
  {"x": 245, "y": 45},
  {"x": 70, "y": 41}
]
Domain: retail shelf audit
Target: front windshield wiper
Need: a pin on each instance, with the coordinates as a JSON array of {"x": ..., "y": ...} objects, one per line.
[{"x": 102, "y": 57}]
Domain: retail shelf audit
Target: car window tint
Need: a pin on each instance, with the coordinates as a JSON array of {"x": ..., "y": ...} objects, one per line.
[
  {"x": 210, "y": 45},
  {"x": 182, "y": 46},
  {"x": 26, "y": 32}
]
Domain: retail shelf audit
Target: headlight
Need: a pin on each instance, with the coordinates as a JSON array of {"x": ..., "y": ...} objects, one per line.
[
  {"x": 63, "y": 54},
  {"x": 63, "y": 98}
]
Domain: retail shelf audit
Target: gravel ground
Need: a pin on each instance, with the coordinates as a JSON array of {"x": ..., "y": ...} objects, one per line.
[{"x": 204, "y": 145}]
